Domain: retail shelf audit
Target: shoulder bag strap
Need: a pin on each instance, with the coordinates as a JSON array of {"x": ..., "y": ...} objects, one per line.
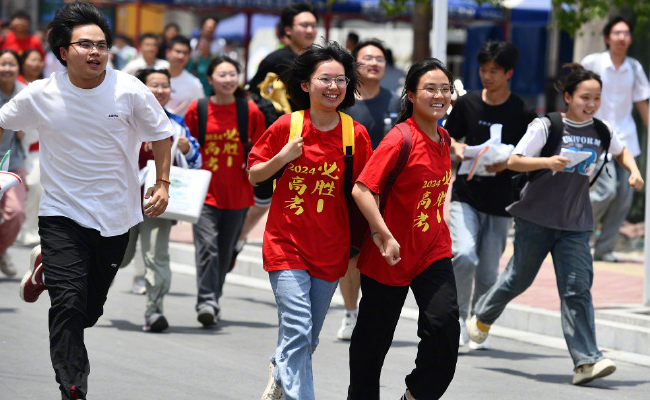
[
  {"x": 202, "y": 113},
  {"x": 404, "y": 153}
]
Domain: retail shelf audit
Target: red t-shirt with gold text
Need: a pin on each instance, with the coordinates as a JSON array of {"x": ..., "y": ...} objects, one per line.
[
  {"x": 223, "y": 153},
  {"x": 307, "y": 227},
  {"x": 414, "y": 208}
]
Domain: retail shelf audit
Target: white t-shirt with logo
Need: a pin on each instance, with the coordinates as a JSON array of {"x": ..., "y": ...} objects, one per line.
[
  {"x": 89, "y": 146},
  {"x": 185, "y": 89}
]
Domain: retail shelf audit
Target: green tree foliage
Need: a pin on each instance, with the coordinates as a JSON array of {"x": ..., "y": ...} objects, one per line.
[{"x": 571, "y": 14}]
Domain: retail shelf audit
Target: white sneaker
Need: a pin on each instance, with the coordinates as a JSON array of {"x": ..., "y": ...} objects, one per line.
[
  {"x": 480, "y": 346},
  {"x": 588, "y": 372},
  {"x": 273, "y": 390},
  {"x": 7, "y": 266},
  {"x": 347, "y": 325},
  {"x": 464, "y": 337},
  {"x": 475, "y": 333}
]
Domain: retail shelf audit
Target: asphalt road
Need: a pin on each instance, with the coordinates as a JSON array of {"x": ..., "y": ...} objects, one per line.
[{"x": 230, "y": 362}]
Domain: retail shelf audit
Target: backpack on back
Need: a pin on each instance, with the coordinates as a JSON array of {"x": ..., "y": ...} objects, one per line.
[
  {"x": 555, "y": 133},
  {"x": 241, "y": 105}
]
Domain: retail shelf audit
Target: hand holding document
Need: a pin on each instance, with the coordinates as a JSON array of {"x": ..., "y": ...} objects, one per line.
[
  {"x": 7, "y": 179},
  {"x": 575, "y": 157},
  {"x": 483, "y": 155}
]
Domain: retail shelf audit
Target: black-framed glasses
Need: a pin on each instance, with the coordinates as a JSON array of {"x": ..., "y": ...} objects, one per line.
[
  {"x": 444, "y": 90},
  {"x": 340, "y": 81},
  {"x": 87, "y": 45}
]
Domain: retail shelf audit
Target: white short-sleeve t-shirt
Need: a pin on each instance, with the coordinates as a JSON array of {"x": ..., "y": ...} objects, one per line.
[{"x": 89, "y": 146}]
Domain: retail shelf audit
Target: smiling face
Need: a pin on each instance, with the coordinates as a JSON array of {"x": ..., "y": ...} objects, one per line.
[
  {"x": 584, "y": 102},
  {"x": 159, "y": 85},
  {"x": 8, "y": 69},
  {"x": 33, "y": 66},
  {"x": 322, "y": 96},
  {"x": 372, "y": 63},
  {"x": 86, "y": 68},
  {"x": 431, "y": 107},
  {"x": 224, "y": 79},
  {"x": 178, "y": 55}
]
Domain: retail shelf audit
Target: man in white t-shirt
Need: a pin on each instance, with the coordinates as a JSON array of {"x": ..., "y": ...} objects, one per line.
[
  {"x": 624, "y": 85},
  {"x": 185, "y": 86},
  {"x": 148, "y": 56},
  {"x": 91, "y": 122}
]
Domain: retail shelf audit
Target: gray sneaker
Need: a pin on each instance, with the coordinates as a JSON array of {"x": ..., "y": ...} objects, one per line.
[
  {"x": 7, "y": 266},
  {"x": 273, "y": 389},
  {"x": 207, "y": 316},
  {"x": 156, "y": 322}
]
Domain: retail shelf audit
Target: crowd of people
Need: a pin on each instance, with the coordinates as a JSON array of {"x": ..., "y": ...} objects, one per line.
[{"x": 339, "y": 154}]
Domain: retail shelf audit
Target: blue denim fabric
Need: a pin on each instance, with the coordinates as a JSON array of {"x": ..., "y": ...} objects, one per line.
[
  {"x": 611, "y": 200},
  {"x": 477, "y": 242},
  {"x": 574, "y": 276},
  {"x": 302, "y": 302}
]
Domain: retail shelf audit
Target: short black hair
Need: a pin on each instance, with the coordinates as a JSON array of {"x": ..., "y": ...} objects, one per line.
[
  {"x": 205, "y": 19},
  {"x": 147, "y": 35},
  {"x": 305, "y": 64},
  {"x": 353, "y": 37},
  {"x": 144, "y": 73},
  {"x": 607, "y": 29},
  {"x": 370, "y": 42},
  {"x": 172, "y": 25},
  {"x": 505, "y": 54},
  {"x": 289, "y": 13},
  {"x": 23, "y": 58},
  {"x": 180, "y": 39},
  {"x": 70, "y": 16},
  {"x": 21, "y": 14},
  {"x": 577, "y": 74}
]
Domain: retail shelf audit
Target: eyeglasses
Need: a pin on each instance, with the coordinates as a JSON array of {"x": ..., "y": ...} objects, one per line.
[
  {"x": 340, "y": 81},
  {"x": 306, "y": 25},
  {"x": 379, "y": 59},
  {"x": 87, "y": 45},
  {"x": 156, "y": 87},
  {"x": 620, "y": 33},
  {"x": 444, "y": 90}
]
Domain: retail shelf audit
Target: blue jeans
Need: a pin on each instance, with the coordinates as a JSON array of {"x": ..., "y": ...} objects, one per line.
[
  {"x": 477, "y": 242},
  {"x": 611, "y": 200},
  {"x": 574, "y": 276},
  {"x": 302, "y": 302}
]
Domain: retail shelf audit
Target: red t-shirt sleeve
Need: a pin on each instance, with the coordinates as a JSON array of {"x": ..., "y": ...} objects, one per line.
[
  {"x": 382, "y": 162},
  {"x": 192, "y": 119},
  {"x": 271, "y": 141}
]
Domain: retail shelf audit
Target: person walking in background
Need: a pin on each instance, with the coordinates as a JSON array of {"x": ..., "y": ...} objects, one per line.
[
  {"x": 171, "y": 31},
  {"x": 375, "y": 108},
  {"x": 12, "y": 203},
  {"x": 198, "y": 65},
  {"x": 409, "y": 245},
  {"x": 147, "y": 57},
  {"x": 625, "y": 84},
  {"x": 224, "y": 154},
  {"x": 19, "y": 38},
  {"x": 208, "y": 27},
  {"x": 32, "y": 69},
  {"x": 122, "y": 51},
  {"x": 100, "y": 116},
  {"x": 554, "y": 216},
  {"x": 185, "y": 86},
  {"x": 478, "y": 220},
  {"x": 154, "y": 232},
  {"x": 307, "y": 237}
]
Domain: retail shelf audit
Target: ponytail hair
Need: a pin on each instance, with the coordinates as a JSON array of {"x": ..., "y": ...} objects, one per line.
[
  {"x": 413, "y": 78},
  {"x": 577, "y": 74}
]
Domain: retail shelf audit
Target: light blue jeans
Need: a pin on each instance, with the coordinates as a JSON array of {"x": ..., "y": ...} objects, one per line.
[
  {"x": 574, "y": 275},
  {"x": 477, "y": 242},
  {"x": 302, "y": 302},
  {"x": 611, "y": 199}
]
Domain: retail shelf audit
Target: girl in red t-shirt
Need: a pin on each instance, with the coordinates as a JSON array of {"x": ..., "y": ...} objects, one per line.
[
  {"x": 229, "y": 194},
  {"x": 414, "y": 245},
  {"x": 307, "y": 235}
]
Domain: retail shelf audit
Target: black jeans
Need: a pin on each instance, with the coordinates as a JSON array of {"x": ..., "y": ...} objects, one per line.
[
  {"x": 215, "y": 235},
  {"x": 438, "y": 329},
  {"x": 79, "y": 266}
]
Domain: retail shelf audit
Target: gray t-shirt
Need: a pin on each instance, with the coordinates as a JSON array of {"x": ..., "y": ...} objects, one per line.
[
  {"x": 377, "y": 114},
  {"x": 9, "y": 139},
  {"x": 560, "y": 200}
]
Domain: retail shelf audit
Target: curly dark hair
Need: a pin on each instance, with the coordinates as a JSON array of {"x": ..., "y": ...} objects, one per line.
[
  {"x": 70, "y": 16},
  {"x": 305, "y": 64}
]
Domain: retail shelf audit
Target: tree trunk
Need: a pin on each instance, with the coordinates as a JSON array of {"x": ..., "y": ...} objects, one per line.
[{"x": 421, "y": 20}]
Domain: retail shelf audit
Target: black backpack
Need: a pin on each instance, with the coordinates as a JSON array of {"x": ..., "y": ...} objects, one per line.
[
  {"x": 241, "y": 104},
  {"x": 555, "y": 133}
]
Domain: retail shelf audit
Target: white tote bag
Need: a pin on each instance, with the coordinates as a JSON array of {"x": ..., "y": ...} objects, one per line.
[{"x": 187, "y": 189}]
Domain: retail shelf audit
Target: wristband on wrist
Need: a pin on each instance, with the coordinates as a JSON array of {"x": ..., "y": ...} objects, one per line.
[{"x": 163, "y": 180}]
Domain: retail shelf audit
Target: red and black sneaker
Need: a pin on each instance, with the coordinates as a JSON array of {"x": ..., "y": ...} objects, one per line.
[
  {"x": 32, "y": 284},
  {"x": 74, "y": 393}
]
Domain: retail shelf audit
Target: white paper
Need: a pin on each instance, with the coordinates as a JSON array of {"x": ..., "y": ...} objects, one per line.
[
  {"x": 575, "y": 157},
  {"x": 7, "y": 181},
  {"x": 495, "y": 132},
  {"x": 483, "y": 155}
]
